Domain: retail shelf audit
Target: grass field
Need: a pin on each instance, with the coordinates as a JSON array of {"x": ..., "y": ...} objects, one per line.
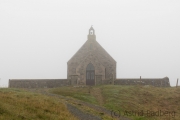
[
  {"x": 17, "y": 104},
  {"x": 136, "y": 102},
  {"x": 131, "y": 101}
]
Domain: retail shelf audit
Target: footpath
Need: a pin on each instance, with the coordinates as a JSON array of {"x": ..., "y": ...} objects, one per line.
[{"x": 82, "y": 110}]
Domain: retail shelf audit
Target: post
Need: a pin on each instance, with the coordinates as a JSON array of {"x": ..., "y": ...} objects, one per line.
[
  {"x": 177, "y": 83},
  {"x": 140, "y": 77},
  {"x": 95, "y": 80},
  {"x": 113, "y": 78}
]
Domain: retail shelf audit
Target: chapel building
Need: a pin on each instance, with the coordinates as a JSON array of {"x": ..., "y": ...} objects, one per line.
[{"x": 91, "y": 63}]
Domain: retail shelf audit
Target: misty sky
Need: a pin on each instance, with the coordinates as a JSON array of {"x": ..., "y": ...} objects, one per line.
[{"x": 38, "y": 37}]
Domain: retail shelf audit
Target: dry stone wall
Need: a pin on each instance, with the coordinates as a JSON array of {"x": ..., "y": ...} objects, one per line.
[
  {"x": 51, "y": 83},
  {"x": 38, "y": 83},
  {"x": 164, "y": 82}
]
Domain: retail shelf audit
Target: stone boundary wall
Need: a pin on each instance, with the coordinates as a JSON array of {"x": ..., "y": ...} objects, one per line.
[
  {"x": 38, "y": 83},
  {"x": 107, "y": 82},
  {"x": 50, "y": 83},
  {"x": 158, "y": 82}
]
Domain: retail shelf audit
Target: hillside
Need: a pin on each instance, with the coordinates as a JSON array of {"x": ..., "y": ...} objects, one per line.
[
  {"x": 136, "y": 102},
  {"x": 97, "y": 102},
  {"x": 17, "y": 104}
]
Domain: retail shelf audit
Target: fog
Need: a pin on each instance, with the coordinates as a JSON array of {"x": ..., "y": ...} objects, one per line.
[{"x": 38, "y": 37}]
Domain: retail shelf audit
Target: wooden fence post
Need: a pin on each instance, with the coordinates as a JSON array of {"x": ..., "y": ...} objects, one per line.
[
  {"x": 113, "y": 78},
  {"x": 177, "y": 83}
]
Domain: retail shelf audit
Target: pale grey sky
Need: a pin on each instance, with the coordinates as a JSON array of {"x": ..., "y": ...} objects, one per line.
[{"x": 38, "y": 37}]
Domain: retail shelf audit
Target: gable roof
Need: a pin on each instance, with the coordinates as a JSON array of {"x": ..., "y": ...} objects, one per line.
[
  {"x": 85, "y": 50},
  {"x": 93, "y": 47}
]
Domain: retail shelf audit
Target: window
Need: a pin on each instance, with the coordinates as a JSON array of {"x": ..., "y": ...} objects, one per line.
[{"x": 90, "y": 67}]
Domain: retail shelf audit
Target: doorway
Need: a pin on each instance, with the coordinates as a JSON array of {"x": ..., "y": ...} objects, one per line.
[{"x": 90, "y": 74}]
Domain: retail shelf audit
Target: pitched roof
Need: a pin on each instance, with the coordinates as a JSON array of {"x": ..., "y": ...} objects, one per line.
[{"x": 93, "y": 47}]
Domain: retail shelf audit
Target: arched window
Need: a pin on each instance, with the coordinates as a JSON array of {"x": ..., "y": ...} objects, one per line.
[{"x": 90, "y": 67}]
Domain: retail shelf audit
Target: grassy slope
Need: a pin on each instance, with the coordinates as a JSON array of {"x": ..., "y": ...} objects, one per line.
[
  {"x": 129, "y": 98},
  {"x": 17, "y": 104}
]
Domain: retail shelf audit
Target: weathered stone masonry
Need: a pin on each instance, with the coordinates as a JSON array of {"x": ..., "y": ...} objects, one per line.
[
  {"x": 91, "y": 53},
  {"x": 38, "y": 83},
  {"x": 51, "y": 83},
  {"x": 90, "y": 65}
]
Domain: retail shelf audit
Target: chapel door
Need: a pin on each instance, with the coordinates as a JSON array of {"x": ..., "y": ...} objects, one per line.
[{"x": 90, "y": 74}]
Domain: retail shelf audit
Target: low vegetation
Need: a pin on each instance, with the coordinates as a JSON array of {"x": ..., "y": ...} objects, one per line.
[
  {"x": 136, "y": 102},
  {"x": 18, "y": 104}
]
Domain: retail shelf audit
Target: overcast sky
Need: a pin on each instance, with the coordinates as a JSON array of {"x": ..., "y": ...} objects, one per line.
[{"x": 38, "y": 37}]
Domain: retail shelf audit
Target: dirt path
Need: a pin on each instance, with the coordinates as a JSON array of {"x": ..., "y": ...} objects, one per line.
[
  {"x": 96, "y": 92},
  {"x": 80, "y": 114},
  {"x": 81, "y": 109}
]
